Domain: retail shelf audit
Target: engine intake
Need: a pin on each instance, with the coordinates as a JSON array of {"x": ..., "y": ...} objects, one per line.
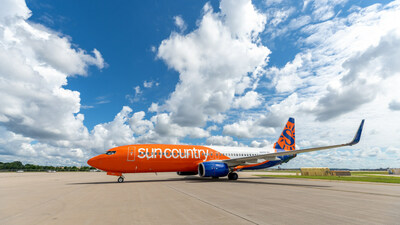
[{"x": 213, "y": 169}]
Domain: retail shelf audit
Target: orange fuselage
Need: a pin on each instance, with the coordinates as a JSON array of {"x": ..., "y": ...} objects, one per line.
[{"x": 155, "y": 158}]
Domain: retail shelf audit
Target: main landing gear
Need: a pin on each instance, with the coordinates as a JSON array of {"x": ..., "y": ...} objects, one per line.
[
  {"x": 120, "y": 179},
  {"x": 233, "y": 176}
]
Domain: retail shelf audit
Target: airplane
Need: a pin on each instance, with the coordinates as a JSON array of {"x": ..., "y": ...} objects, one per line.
[{"x": 206, "y": 161}]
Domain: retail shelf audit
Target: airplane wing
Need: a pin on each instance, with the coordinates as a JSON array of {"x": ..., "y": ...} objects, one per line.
[{"x": 273, "y": 156}]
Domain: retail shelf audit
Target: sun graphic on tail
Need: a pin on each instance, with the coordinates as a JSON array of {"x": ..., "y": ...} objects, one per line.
[{"x": 287, "y": 139}]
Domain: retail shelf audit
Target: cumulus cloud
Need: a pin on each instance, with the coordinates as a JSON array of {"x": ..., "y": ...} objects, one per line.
[
  {"x": 210, "y": 61},
  {"x": 39, "y": 115},
  {"x": 361, "y": 83},
  {"x": 288, "y": 78},
  {"x": 221, "y": 140},
  {"x": 250, "y": 100},
  {"x": 349, "y": 61},
  {"x": 347, "y": 68},
  {"x": 165, "y": 131},
  {"x": 250, "y": 128},
  {"x": 260, "y": 144},
  {"x": 114, "y": 133},
  {"x": 34, "y": 65}
]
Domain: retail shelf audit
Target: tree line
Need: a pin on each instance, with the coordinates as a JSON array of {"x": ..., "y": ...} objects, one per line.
[{"x": 17, "y": 165}]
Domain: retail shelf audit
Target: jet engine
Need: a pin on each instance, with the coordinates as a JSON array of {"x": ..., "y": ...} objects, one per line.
[{"x": 213, "y": 169}]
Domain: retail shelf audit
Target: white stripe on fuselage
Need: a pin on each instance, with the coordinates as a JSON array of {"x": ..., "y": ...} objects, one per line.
[{"x": 239, "y": 152}]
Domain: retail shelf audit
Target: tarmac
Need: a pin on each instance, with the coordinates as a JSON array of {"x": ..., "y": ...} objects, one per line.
[{"x": 166, "y": 198}]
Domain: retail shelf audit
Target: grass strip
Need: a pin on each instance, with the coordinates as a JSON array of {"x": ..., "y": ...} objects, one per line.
[{"x": 374, "y": 178}]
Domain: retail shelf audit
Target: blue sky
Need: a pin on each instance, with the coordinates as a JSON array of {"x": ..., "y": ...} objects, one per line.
[
  {"x": 124, "y": 34},
  {"x": 92, "y": 75}
]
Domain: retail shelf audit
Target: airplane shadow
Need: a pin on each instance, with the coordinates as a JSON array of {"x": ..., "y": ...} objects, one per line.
[{"x": 196, "y": 180}]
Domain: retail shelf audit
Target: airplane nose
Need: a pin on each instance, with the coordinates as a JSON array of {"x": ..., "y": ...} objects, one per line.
[{"x": 93, "y": 162}]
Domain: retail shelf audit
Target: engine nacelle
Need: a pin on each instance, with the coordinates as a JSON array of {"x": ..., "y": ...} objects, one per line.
[
  {"x": 186, "y": 173},
  {"x": 213, "y": 169}
]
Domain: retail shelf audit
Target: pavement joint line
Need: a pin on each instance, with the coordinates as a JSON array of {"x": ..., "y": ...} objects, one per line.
[{"x": 209, "y": 203}]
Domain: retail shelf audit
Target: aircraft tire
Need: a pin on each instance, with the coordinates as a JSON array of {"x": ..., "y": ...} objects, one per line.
[
  {"x": 120, "y": 179},
  {"x": 233, "y": 176}
]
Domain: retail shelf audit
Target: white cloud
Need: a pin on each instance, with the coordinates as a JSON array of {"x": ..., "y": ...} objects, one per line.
[
  {"x": 324, "y": 9},
  {"x": 221, "y": 140},
  {"x": 136, "y": 96},
  {"x": 258, "y": 144},
  {"x": 280, "y": 15},
  {"x": 288, "y": 79},
  {"x": 298, "y": 22},
  {"x": 115, "y": 133},
  {"x": 393, "y": 150},
  {"x": 248, "y": 129},
  {"x": 180, "y": 23},
  {"x": 165, "y": 131},
  {"x": 137, "y": 90},
  {"x": 346, "y": 73},
  {"x": 211, "y": 63},
  {"x": 13, "y": 9},
  {"x": 242, "y": 19},
  {"x": 139, "y": 125},
  {"x": 153, "y": 107},
  {"x": 347, "y": 69},
  {"x": 250, "y": 100},
  {"x": 150, "y": 84},
  {"x": 212, "y": 128},
  {"x": 34, "y": 65}
]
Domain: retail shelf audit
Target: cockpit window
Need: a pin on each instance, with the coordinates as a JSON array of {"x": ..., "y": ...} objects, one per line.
[{"x": 110, "y": 152}]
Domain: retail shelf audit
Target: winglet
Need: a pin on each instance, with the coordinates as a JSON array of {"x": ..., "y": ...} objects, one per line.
[{"x": 357, "y": 137}]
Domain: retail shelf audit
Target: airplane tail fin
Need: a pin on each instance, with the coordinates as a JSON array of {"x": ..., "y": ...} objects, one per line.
[{"x": 286, "y": 141}]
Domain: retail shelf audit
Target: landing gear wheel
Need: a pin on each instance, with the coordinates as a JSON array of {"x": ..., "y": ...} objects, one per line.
[
  {"x": 120, "y": 179},
  {"x": 233, "y": 176}
]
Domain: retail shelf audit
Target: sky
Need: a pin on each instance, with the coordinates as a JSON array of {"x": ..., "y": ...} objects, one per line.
[{"x": 80, "y": 77}]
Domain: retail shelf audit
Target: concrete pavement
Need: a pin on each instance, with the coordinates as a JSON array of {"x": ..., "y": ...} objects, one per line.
[{"x": 94, "y": 198}]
